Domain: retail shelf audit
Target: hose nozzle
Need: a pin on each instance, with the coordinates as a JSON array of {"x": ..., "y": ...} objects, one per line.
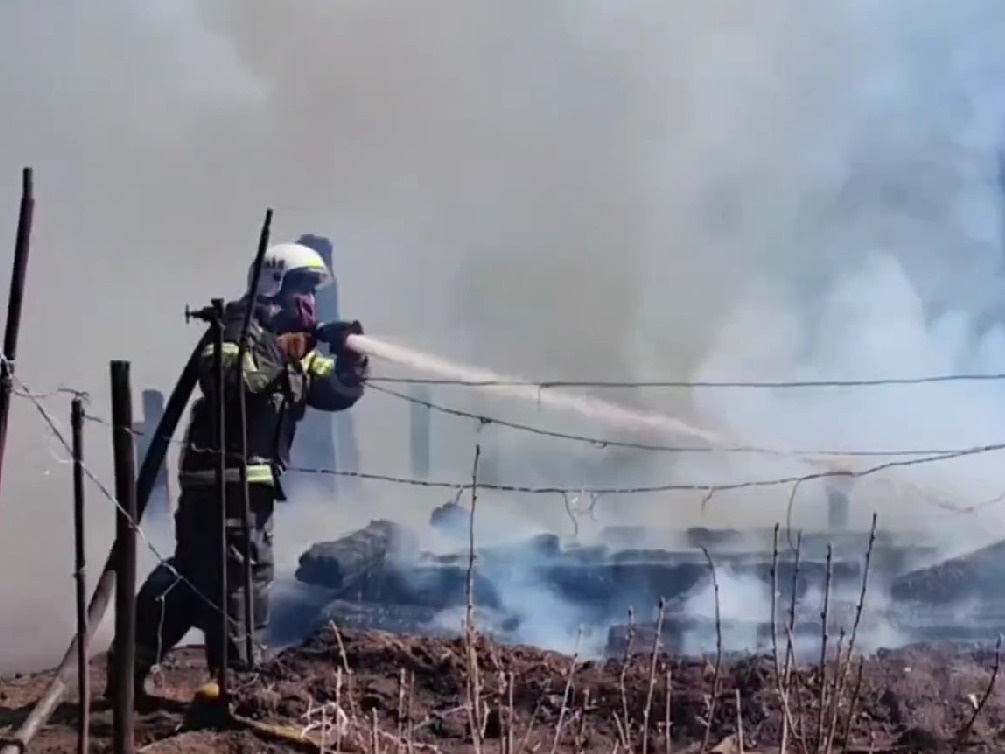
[{"x": 338, "y": 335}]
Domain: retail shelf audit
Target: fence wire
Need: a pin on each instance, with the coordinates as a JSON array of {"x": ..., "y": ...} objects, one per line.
[
  {"x": 708, "y": 489},
  {"x": 53, "y": 426},
  {"x": 655, "y": 447},
  {"x": 698, "y": 384},
  {"x": 459, "y": 487}
]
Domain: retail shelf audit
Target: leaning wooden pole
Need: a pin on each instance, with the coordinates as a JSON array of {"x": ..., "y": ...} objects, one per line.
[
  {"x": 126, "y": 520},
  {"x": 83, "y": 670},
  {"x": 15, "y": 300}
]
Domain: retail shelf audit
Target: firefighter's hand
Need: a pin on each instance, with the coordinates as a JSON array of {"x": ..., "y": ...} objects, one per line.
[
  {"x": 352, "y": 368},
  {"x": 335, "y": 333},
  {"x": 296, "y": 345}
]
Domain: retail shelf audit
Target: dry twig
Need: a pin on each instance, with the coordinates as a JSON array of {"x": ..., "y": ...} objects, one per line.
[
  {"x": 739, "y": 720},
  {"x": 850, "y": 720},
  {"x": 824, "y": 633},
  {"x": 510, "y": 720},
  {"x": 666, "y": 709},
  {"x": 401, "y": 704},
  {"x": 788, "y": 516},
  {"x": 533, "y": 719},
  {"x": 718, "y": 654},
  {"x": 473, "y": 682},
  {"x": 338, "y": 706},
  {"x": 566, "y": 692},
  {"x": 500, "y": 712},
  {"x": 626, "y": 723},
  {"x": 779, "y": 684},
  {"x": 965, "y": 731},
  {"x": 790, "y": 648},
  {"x": 652, "y": 676},
  {"x": 410, "y": 728},
  {"x": 843, "y": 666},
  {"x": 581, "y": 735},
  {"x": 345, "y": 667}
]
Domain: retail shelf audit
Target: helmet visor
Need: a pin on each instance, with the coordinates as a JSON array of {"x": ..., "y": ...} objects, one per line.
[{"x": 306, "y": 280}]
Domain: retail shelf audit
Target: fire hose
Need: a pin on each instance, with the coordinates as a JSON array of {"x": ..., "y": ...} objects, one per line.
[
  {"x": 100, "y": 598},
  {"x": 98, "y": 605}
]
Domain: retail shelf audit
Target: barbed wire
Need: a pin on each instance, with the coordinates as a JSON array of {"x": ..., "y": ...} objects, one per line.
[
  {"x": 696, "y": 384},
  {"x": 806, "y": 456},
  {"x": 673, "y": 487},
  {"x": 627, "y": 490},
  {"x": 655, "y": 447},
  {"x": 21, "y": 390},
  {"x": 916, "y": 456},
  {"x": 599, "y": 442}
]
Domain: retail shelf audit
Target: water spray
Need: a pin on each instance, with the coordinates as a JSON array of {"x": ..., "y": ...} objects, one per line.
[
  {"x": 592, "y": 408},
  {"x": 607, "y": 412}
]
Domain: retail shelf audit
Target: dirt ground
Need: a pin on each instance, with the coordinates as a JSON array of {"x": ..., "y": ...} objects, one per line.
[{"x": 409, "y": 694}]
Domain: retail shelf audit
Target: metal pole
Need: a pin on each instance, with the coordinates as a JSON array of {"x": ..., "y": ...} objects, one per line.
[
  {"x": 123, "y": 733},
  {"x": 22, "y": 245},
  {"x": 256, "y": 274},
  {"x": 83, "y": 670},
  {"x": 221, "y": 482},
  {"x": 106, "y": 581}
]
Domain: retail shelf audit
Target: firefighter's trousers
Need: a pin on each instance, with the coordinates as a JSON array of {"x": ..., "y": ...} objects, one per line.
[{"x": 184, "y": 593}]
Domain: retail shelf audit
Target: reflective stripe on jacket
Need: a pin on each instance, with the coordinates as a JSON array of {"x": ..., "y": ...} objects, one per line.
[{"x": 277, "y": 393}]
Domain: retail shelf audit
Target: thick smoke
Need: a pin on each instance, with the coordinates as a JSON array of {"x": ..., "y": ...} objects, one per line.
[{"x": 671, "y": 189}]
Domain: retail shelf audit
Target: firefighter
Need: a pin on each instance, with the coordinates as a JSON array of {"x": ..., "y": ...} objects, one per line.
[{"x": 283, "y": 375}]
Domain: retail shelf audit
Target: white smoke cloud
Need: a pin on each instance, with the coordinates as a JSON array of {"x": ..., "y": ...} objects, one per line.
[{"x": 630, "y": 190}]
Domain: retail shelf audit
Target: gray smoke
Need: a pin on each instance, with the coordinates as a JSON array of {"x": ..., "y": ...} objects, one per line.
[{"x": 560, "y": 190}]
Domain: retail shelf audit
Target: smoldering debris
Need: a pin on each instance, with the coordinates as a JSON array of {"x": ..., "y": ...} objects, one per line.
[
  {"x": 543, "y": 590},
  {"x": 357, "y": 556},
  {"x": 976, "y": 576}
]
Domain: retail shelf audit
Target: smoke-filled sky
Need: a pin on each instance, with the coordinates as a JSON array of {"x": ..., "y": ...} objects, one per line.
[{"x": 723, "y": 189}]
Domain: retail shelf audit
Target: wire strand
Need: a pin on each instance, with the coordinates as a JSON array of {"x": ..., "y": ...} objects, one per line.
[
  {"x": 636, "y": 490},
  {"x": 655, "y": 447},
  {"x": 53, "y": 427},
  {"x": 696, "y": 384},
  {"x": 751, "y": 484}
]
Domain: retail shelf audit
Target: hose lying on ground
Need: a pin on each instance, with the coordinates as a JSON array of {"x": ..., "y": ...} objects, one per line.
[{"x": 145, "y": 481}]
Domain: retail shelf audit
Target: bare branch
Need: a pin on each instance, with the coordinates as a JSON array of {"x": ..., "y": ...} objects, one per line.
[
  {"x": 965, "y": 731},
  {"x": 652, "y": 677},
  {"x": 473, "y": 682},
  {"x": 718, "y": 654}
]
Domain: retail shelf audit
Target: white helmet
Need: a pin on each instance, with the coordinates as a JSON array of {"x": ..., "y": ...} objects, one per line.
[{"x": 282, "y": 259}]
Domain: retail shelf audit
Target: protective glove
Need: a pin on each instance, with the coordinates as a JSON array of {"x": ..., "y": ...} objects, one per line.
[
  {"x": 352, "y": 368},
  {"x": 335, "y": 334},
  {"x": 296, "y": 345}
]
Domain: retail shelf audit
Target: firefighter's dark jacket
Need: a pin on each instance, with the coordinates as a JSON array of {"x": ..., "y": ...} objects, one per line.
[{"x": 277, "y": 393}]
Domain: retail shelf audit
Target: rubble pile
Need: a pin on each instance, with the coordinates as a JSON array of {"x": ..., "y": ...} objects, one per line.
[
  {"x": 379, "y": 578},
  {"x": 975, "y": 576}
]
